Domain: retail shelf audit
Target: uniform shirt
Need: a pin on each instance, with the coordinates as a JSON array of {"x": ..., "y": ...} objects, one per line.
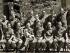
[
  {"x": 60, "y": 32},
  {"x": 48, "y": 32},
  {"x": 13, "y": 22},
  {"x": 28, "y": 31},
  {"x": 5, "y": 26},
  {"x": 19, "y": 32},
  {"x": 39, "y": 32},
  {"x": 32, "y": 20},
  {"x": 37, "y": 25},
  {"x": 10, "y": 32}
]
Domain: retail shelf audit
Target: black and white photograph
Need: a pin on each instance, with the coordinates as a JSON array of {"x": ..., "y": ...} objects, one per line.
[{"x": 34, "y": 26}]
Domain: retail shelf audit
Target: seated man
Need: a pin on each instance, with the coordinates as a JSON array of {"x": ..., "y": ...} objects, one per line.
[
  {"x": 59, "y": 37},
  {"x": 15, "y": 39},
  {"x": 12, "y": 39},
  {"x": 38, "y": 28},
  {"x": 48, "y": 36},
  {"x": 38, "y": 39},
  {"x": 19, "y": 34},
  {"x": 28, "y": 33},
  {"x": 9, "y": 35}
]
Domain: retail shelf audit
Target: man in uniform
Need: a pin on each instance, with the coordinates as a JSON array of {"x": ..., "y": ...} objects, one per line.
[
  {"x": 19, "y": 34},
  {"x": 9, "y": 35},
  {"x": 62, "y": 17},
  {"x": 4, "y": 23},
  {"x": 29, "y": 35},
  {"x": 48, "y": 36},
  {"x": 60, "y": 36},
  {"x": 38, "y": 28}
]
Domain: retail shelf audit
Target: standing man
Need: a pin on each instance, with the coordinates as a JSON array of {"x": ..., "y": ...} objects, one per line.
[
  {"x": 62, "y": 17},
  {"x": 4, "y": 22}
]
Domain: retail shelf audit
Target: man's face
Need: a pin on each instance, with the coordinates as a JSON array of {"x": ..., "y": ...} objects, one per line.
[
  {"x": 13, "y": 14},
  {"x": 37, "y": 17},
  {"x": 59, "y": 24},
  {"x": 4, "y": 17},
  {"x": 9, "y": 25},
  {"x": 32, "y": 12},
  {"x": 28, "y": 25},
  {"x": 49, "y": 24},
  {"x": 18, "y": 25}
]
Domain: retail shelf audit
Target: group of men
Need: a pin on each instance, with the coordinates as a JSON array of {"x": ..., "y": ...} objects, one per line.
[{"x": 47, "y": 33}]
